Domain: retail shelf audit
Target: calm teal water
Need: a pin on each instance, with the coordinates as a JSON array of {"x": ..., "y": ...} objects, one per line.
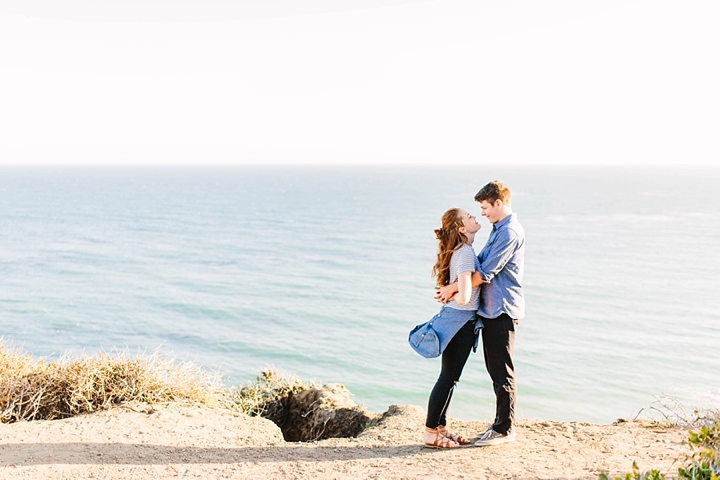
[{"x": 322, "y": 272}]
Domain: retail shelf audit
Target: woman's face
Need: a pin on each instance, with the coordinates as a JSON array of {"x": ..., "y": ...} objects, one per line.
[{"x": 470, "y": 223}]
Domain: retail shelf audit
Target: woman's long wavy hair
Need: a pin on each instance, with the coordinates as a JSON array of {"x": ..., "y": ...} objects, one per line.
[{"x": 450, "y": 239}]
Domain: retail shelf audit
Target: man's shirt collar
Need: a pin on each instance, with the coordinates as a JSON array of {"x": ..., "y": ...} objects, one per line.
[{"x": 503, "y": 222}]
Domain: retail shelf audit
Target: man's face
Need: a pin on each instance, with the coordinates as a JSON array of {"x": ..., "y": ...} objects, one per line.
[{"x": 494, "y": 212}]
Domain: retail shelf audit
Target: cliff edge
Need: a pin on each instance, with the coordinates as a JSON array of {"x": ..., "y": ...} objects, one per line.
[{"x": 182, "y": 441}]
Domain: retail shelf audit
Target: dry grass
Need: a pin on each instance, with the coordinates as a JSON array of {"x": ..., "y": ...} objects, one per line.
[
  {"x": 39, "y": 390},
  {"x": 33, "y": 389},
  {"x": 668, "y": 411},
  {"x": 268, "y": 395}
]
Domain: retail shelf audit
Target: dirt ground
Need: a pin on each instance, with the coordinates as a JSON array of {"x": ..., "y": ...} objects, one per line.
[{"x": 176, "y": 441}]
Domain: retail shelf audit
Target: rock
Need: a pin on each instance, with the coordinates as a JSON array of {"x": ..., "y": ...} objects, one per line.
[{"x": 321, "y": 412}]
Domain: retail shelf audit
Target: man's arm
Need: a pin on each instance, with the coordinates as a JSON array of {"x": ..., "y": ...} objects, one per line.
[
  {"x": 501, "y": 251},
  {"x": 446, "y": 293}
]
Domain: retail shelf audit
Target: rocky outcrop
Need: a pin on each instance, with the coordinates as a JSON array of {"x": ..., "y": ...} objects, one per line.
[{"x": 319, "y": 413}]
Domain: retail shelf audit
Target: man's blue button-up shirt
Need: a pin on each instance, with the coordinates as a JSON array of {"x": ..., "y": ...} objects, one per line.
[{"x": 502, "y": 261}]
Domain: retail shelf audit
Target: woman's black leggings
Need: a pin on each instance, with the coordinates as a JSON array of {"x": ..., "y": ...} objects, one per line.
[{"x": 453, "y": 361}]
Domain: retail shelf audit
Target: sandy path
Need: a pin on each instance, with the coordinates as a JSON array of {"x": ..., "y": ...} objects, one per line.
[{"x": 194, "y": 442}]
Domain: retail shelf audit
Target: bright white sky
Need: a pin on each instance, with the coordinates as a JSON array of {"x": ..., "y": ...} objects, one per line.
[{"x": 170, "y": 82}]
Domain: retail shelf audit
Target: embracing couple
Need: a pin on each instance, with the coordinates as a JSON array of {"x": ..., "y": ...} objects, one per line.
[{"x": 479, "y": 293}]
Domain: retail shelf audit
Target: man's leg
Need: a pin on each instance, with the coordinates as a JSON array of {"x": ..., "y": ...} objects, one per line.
[{"x": 498, "y": 345}]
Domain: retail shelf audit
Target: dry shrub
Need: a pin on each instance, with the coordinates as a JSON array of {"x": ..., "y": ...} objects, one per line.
[
  {"x": 267, "y": 397},
  {"x": 39, "y": 390},
  {"x": 668, "y": 410}
]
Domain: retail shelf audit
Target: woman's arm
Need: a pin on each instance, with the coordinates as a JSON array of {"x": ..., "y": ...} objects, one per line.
[
  {"x": 464, "y": 288},
  {"x": 446, "y": 293}
]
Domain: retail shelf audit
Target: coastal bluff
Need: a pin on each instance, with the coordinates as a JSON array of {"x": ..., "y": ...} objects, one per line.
[{"x": 178, "y": 440}]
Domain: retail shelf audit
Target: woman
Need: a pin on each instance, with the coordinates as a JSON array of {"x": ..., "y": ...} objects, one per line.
[{"x": 456, "y": 260}]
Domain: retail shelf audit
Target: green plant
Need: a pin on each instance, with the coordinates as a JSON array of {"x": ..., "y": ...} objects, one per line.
[
  {"x": 702, "y": 464},
  {"x": 705, "y": 460},
  {"x": 636, "y": 475}
]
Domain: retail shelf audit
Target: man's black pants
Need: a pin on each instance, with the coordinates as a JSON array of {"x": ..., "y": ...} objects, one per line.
[{"x": 498, "y": 344}]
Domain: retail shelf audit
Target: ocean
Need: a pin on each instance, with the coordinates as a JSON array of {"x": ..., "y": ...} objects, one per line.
[{"x": 321, "y": 272}]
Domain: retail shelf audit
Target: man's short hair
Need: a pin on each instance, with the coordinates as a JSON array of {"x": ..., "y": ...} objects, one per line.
[{"x": 493, "y": 191}]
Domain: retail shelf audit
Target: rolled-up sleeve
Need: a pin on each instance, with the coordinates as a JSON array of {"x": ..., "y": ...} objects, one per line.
[{"x": 500, "y": 252}]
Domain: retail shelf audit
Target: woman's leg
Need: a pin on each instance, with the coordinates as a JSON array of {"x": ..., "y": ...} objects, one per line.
[{"x": 453, "y": 360}]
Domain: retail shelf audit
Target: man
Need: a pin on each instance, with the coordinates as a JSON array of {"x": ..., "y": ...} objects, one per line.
[{"x": 502, "y": 304}]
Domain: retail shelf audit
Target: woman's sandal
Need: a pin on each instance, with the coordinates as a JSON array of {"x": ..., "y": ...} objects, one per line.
[
  {"x": 435, "y": 439},
  {"x": 455, "y": 438}
]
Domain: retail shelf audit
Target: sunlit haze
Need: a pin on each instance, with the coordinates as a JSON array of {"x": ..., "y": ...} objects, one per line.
[{"x": 349, "y": 81}]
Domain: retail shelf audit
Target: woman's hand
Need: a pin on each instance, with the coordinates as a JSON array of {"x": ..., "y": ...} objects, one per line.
[{"x": 445, "y": 294}]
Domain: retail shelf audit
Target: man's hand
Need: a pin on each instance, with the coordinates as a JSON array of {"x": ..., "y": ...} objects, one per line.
[{"x": 445, "y": 294}]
